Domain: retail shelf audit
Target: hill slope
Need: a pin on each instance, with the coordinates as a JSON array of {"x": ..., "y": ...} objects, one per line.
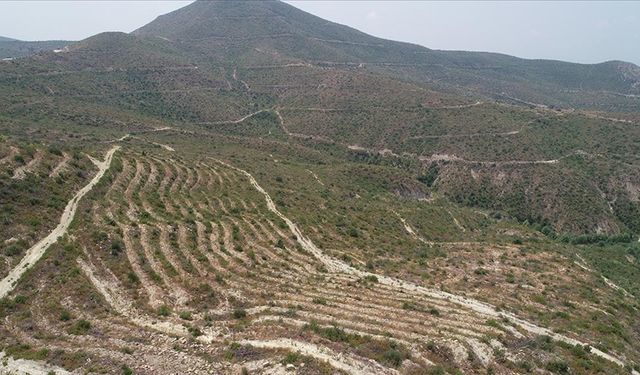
[
  {"x": 291, "y": 33},
  {"x": 12, "y": 48},
  {"x": 226, "y": 198},
  {"x": 200, "y": 72}
]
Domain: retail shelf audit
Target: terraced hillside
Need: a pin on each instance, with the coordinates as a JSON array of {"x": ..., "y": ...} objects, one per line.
[
  {"x": 188, "y": 262},
  {"x": 182, "y": 200},
  {"x": 35, "y": 184}
]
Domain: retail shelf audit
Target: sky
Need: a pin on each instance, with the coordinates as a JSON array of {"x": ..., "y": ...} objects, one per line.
[{"x": 586, "y": 32}]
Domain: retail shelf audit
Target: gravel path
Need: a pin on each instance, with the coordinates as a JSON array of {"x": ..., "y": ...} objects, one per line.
[
  {"x": 12, "y": 366},
  {"x": 37, "y": 251}
]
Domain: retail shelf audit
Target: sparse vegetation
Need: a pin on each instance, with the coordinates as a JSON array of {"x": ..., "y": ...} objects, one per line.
[{"x": 406, "y": 214}]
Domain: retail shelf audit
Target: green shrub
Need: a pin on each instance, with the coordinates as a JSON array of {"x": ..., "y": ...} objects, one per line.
[
  {"x": 510, "y": 278},
  {"x": 12, "y": 250},
  {"x": 55, "y": 150},
  {"x": 132, "y": 277},
  {"x": 65, "y": 315},
  {"x": 20, "y": 299},
  {"x": 558, "y": 367},
  {"x": 335, "y": 334},
  {"x": 81, "y": 327},
  {"x": 371, "y": 278},
  {"x": 544, "y": 342},
  {"x": 480, "y": 271},
  {"x": 239, "y": 313},
  {"x": 410, "y": 305},
  {"x": 291, "y": 358},
  {"x": 164, "y": 310},
  {"x": 195, "y": 332},
  {"x": 116, "y": 247},
  {"x": 431, "y": 346},
  {"x": 525, "y": 366},
  {"x": 393, "y": 357},
  {"x": 353, "y": 232},
  {"x": 430, "y": 175}
]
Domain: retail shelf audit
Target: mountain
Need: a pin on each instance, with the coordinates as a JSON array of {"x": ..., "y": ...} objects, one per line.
[
  {"x": 274, "y": 26},
  {"x": 5, "y": 39},
  {"x": 242, "y": 187},
  {"x": 284, "y": 52}
]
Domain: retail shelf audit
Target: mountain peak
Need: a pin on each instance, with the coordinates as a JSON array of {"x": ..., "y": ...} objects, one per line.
[{"x": 244, "y": 20}]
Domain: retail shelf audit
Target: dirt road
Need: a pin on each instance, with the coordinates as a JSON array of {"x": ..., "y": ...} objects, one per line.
[
  {"x": 24, "y": 366},
  {"x": 37, "y": 251}
]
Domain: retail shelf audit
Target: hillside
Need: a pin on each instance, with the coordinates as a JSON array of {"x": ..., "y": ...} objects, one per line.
[
  {"x": 366, "y": 113},
  {"x": 307, "y": 62},
  {"x": 12, "y": 48},
  {"x": 288, "y": 34},
  {"x": 241, "y": 187}
]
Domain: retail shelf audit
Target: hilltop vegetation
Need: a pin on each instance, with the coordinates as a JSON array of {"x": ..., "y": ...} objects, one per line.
[
  {"x": 272, "y": 32},
  {"x": 12, "y": 48}
]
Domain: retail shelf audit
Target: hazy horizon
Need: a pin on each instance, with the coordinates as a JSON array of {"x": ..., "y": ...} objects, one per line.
[{"x": 583, "y": 32}]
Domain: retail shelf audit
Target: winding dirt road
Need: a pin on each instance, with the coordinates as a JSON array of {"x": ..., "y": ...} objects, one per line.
[
  {"x": 233, "y": 121},
  {"x": 37, "y": 251}
]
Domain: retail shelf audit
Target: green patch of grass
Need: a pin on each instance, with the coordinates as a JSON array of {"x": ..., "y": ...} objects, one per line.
[
  {"x": 25, "y": 351},
  {"x": 164, "y": 310},
  {"x": 480, "y": 271},
  {"x": 185, "y": 315},
  {"x": 319, "y": 301},
  {"x": 194, "y": 331},
  {"x": 412, "y": 306},
  {"x": 371, "y": 278},
  {"x": 81, "y": 327},
  {"x": 20, "y": 299},
  {"x": 65, "y": 315},
  {"x": 291, "y": 358}
]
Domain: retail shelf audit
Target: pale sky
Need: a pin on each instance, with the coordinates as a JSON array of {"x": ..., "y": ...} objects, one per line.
[{"x": 585, "y": 32}]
